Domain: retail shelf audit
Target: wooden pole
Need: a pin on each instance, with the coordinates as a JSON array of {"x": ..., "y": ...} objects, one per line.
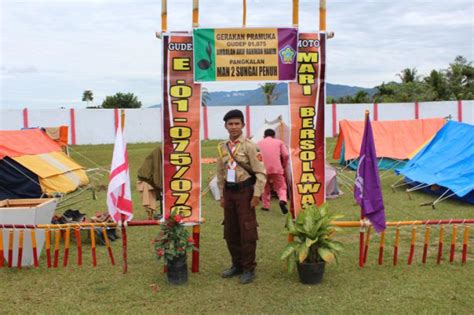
[
  {"x": 77, "y": 234},
  {"x": 367, "y": 241},
  {"x": 382, "y": 241},
  {"x": 47, "y": 235},
  {"x": 196, "y": 238},
  {"x": 33, "y": 247},
  {"x": 426, "y": 243},
  {"x": 453, "y": 243},
  {"x": 94, "y": 257},
  {"x": 296, "y": 9},
  {"x": 395, "y": 246},
  {"x": 195, "y": 13},
  {"x": 57, "y": 237},
  {"x": 464, "y": 244},
  {"x": 107, "y": 244},
  {"x": 440, "y": 244},
  {"x": 164, "y": 16},
  {"x": 20, "y": 249},
  {"x": 67, "y": 244},
  {"x": 244, "y": 13},
  {"x": 412, "y": 245},
  {"x": 322, "y": 15},
  {"x": 1, "y": 249}
]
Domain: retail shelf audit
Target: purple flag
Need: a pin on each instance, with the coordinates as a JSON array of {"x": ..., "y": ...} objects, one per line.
[{"x": 367, "y": 190}]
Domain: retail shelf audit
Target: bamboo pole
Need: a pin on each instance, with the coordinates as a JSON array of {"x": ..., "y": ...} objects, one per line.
[
  {"x": 1, "y": 249},
  {"x": 20, "y": 248},
  {"x": 322, "y": 15},
  {"x": 47, "y": 246},
  {"x": 412, "y": 245},
  {"x": 426, "y": 243},
  {"x": 195, "y": 13},
  {"x": 94, "y": 257},
  {"x": 10, "y": 248},
  {"x": 381, "y": 247},
  {"x": 453, "y": 243},
  {"x": 77, "y": 234},
  {"x": 464, "y": 244},
  {"x": 244, "y": 13},
  {"x": 196, "y": 238},
  {"x": 296, "y": 9},
  {"x": 395, "y": 247},
  {"x": 57, "y": 237},
  {"x": 367, "y": 241},
  {"x": 107, "y": 244},
  {"x": 440, "y": 244},
  {"x": 67, "y": 244},
  {"x": 164, "y": 16},
  {"x": 33, "y": 247}
]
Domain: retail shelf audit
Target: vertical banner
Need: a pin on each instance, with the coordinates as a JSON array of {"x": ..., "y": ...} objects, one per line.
[
  {"x": 181, "y": 129},
  {"x": 307, "y": 139}
]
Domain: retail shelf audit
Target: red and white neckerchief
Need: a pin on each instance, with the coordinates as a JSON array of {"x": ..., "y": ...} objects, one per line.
[{"x": 234, "y": 147}]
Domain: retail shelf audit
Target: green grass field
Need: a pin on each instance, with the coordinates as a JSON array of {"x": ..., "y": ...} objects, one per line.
[{"x": 430, "y": 288}]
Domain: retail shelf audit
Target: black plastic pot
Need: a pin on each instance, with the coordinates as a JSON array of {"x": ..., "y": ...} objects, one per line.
[
  {"x": 178, "y": 270},
  {"x": 311, "y": 273}
]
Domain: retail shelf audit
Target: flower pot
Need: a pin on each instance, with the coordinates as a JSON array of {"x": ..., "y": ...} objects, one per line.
[
  {"x": 178, "y": 270},
  {"x": 311, "y": 273}
]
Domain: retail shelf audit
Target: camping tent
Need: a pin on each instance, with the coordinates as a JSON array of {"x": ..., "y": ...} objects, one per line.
[
  {"x": 445, "y": 166},
  {"x": 395, "y": 140},
  {"x": 32, "y": 165}
]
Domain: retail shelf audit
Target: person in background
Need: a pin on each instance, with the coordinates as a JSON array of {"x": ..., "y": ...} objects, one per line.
[
  {"x": 275, "y": 157},
  {"x": 241, "y": 179}
]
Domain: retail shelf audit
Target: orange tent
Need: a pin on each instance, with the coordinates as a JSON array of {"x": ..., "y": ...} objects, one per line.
[{"x": 395, "y": 139}]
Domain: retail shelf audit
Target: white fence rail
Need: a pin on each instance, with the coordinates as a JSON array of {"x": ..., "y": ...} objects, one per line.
[{"x": 96, "y": 126}]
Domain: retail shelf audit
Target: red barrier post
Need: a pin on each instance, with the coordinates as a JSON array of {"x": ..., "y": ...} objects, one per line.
[{"x": 196, "y": 234}]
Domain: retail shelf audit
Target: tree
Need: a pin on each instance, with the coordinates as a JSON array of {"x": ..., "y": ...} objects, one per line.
[
  {"x": 438, "y": 84},
  {"x": 361, "y": 97},
  {"x": 87, "y": 96},
  {"x": 460, "y": 76},
  {"x": 408, "y": 75},
  {"x": 268, "y": 90},
  {"x": 205, "y": 96},
  {"x": 121, "y": 100}
]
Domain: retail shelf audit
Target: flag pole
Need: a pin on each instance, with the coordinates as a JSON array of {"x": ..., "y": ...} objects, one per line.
[
  {"x": 124, "y": 221},
  {"x": 362, "y": 227}
]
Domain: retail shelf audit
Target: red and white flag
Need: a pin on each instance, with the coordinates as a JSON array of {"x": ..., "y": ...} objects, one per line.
[{"x": 119, "y": 197}]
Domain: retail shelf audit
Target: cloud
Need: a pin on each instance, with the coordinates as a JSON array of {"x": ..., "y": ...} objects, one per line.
[{"x": 53, "y": 50}]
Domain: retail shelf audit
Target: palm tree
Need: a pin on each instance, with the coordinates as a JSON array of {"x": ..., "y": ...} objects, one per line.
[
  {"x": 269, "y": 91},
  {"x": 361, "y": 97},
  {"x": 438, "y": 84},
  {"x": 87, "y": 96},
  {"x": 408, "y": 75}
]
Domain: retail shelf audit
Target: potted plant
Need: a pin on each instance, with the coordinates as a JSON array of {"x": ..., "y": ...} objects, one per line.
[
  {"x": 312, "y": 244},
  {"x": 172, "y": 245}
]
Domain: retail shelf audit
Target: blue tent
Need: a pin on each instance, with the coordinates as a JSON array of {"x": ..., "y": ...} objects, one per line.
[{"x": 446, "y": 164}]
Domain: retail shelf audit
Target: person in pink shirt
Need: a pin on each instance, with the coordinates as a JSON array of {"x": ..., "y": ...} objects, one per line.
[{"x": 275, "y": 158}]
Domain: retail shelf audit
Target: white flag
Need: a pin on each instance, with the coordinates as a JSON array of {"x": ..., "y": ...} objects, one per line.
[{"x": 119, "y": 197}]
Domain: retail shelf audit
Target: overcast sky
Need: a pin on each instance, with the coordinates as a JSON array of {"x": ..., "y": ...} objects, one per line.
[{"x": 51, "y": 51}]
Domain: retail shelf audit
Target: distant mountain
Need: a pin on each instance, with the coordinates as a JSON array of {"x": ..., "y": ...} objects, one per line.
[{"x": 256, "y": 97}]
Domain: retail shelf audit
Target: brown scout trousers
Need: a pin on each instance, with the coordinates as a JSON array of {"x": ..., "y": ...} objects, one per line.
[{"x": 240, "y": 227}]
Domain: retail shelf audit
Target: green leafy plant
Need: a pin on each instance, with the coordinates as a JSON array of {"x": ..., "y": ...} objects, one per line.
[
  {"x": 312, "y": 231},
  {"x": 174, "y": 239}
]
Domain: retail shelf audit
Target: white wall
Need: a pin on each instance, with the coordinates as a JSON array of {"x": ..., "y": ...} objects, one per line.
[{"x": 97, "y": 126}]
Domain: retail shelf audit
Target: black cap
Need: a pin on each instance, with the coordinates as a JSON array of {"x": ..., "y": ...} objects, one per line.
[{"x": 235, "y": 113}]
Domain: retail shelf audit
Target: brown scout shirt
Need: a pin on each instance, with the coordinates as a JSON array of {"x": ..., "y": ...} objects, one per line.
[{"x": 247, "y": 154}]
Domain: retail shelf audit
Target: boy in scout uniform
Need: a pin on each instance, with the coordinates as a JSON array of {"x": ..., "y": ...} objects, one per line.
[{"x": 241, "y": 179}]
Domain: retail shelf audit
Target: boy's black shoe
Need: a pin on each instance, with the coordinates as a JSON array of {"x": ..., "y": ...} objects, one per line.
[
  {"x": 247, "y": 276},
  {"x": 283, "y": 207},
  {"x": 231, "y": 272}
]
